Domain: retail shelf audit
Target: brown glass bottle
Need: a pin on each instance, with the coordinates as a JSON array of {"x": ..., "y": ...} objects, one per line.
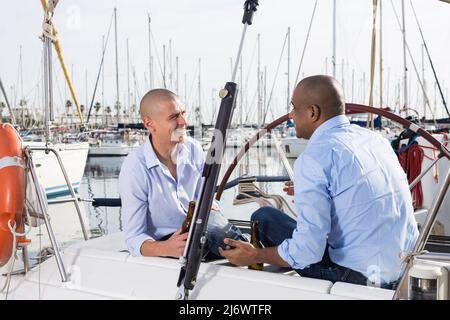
[
  {"x": 254, "y": 240},
  {"x": 190, "y": 214}
]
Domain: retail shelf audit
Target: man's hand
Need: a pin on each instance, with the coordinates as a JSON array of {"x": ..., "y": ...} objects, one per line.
[
  {"x": 241, "y": 254},
  {"x": 215, "y": 207},
  {"x": 289, "y": 188},
  {"x": 174, "y": 246}
]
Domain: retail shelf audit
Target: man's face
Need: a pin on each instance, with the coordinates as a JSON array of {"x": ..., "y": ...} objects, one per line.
[
  {"x": 301, "y": 115},
  {"x": 169, "y": 122}
]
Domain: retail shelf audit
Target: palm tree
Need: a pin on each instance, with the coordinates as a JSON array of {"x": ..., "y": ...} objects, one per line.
[
  {"x": 133, "y": 110},
  {"x": 97, "y": 107},
  {"x": 108, "y": 111},
  {"x": 2, "y": 106},
  {"x": 68, "y": 106}
]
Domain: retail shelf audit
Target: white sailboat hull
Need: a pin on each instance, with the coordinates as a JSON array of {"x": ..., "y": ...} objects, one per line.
[
  {"x": 107, "y": 151},
  {"x": 73, "y": 156},
  {"x": 100, "y": 269},
  {"x": 293, "y": 146}
]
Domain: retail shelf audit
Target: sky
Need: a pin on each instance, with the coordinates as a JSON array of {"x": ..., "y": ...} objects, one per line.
[{"x": 211, "y": 31}]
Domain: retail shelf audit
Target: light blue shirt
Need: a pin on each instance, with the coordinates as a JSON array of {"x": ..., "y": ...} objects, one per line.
[
  {"x": 154, "y": 204},
  {"x": 351, "y": 191}
]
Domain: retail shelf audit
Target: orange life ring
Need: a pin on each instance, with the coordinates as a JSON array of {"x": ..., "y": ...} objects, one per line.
[{"x": 12, "y": 189}]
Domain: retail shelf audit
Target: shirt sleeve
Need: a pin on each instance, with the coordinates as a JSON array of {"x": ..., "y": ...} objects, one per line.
[
  {"x": 313, "y": 205},
  {"x": 133, "y": 193}
]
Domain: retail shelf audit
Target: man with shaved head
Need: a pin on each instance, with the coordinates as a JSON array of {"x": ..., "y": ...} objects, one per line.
[
  {"x": 158, "y": 179},
  {"x": 355, "y": 215}
]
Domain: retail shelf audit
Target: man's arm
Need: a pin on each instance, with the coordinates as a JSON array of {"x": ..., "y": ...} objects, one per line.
[
  {"x": 244, "y": 254},
  {"x": 313, "y": 205},
  {"x": 133, "y": 192},
  {"x": 172, "y": 247}
]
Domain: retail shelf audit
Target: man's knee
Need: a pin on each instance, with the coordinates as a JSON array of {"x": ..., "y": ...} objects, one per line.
[{"x": 264, "y": 214}]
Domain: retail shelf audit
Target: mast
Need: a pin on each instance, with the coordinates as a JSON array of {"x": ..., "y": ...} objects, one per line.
[
  {"x": 381, "y": 54},
  {"x": 85, "y": 88},
  {"x": 48, "y": 72},
  {"x": 170, "y": 66},
  {"x": 372, "y": 61},
  {"x": 177, "y": 74},
  {"x": 424, "y": 86},
  {"x": 103, "y": 75},
  {"x": 259, "y": 115},
  {"x": 164, "y": 66},
  {"x": 185, "y": 89},
  {"x": 241, "y": 98},
  {"x": 117, "y": 66},
  {"x": 333, "y": 59},
  {"x": 199, "y": 87},
  {"x": 150, "y": 58},
  {"x": 21, "y": 100},
  {"x": 288, "y": 103},
  {"x": 353, "y": 84},
  {"x": 57, "y": 45},
  {"x": 11, "y": 114},
  {"x": 128, "y": 76},
  {"x": 405, "y": 69},
  {"x": 264, "y": 90}
]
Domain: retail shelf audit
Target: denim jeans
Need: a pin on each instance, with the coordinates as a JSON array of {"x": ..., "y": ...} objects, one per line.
[
  {"x": 275, "y": 226},
  {"x": 218, "y": 229}
]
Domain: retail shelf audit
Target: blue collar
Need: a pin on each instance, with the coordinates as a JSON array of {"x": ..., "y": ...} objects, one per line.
[
  {"x": 151, "y": 159},
  {"x": 329, "y": 124}
]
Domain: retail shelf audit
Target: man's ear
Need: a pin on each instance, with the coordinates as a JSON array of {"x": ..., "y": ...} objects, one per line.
[
  {"x": 149, "y": 124},
  {"x": 315, "y": 113}
]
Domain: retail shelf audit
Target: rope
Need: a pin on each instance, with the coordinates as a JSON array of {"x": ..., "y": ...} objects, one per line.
[
  {"x": 408, "y": 256},
  {"x": 12, "y": 229},
  {"x": 252, "y": 193},
  {"x": 13, "y": 256},
  {"x": 414, "y": 167}
]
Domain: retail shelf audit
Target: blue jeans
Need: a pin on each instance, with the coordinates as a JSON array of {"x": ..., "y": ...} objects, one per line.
[{"x": 275, "y": 226}]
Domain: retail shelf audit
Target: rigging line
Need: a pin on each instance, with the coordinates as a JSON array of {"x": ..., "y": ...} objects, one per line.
[
  {"x": 306, "y": 42},
  {"x": 157, "y": 57},
  {"x": 16, "y": 85},
  {"x": 57, "y": 83},
  {"x": 100, "y": 70},
  {"x": 248, "y": 109},
  {"x": 194, "y": 79},
  {"x": 429, "y": 58},
  {"x": 415, "y": 69},
  {"x": 251, "y": 63},
  {"x": 275, "y": 79}
]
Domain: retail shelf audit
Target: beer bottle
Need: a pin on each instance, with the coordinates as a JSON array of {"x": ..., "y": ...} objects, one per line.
[
  {"x": 190, "y": 214},
  {"x": 254, "y": 240}
]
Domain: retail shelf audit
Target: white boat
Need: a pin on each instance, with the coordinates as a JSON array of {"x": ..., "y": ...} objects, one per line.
[
  {"x": 112, "y": 145},
  {"x": 73, "y": 155},
  {"x": 293, "y": 146},
  {"x": 101, "y": 269}
]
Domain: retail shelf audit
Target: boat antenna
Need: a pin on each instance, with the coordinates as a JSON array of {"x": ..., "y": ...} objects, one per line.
[{"x": 191, "y": 259}]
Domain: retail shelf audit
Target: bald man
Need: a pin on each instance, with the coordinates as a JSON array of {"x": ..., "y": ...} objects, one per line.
[
  {"x": 158, "y": 179},
  {"x": 355, "y": 214}
]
